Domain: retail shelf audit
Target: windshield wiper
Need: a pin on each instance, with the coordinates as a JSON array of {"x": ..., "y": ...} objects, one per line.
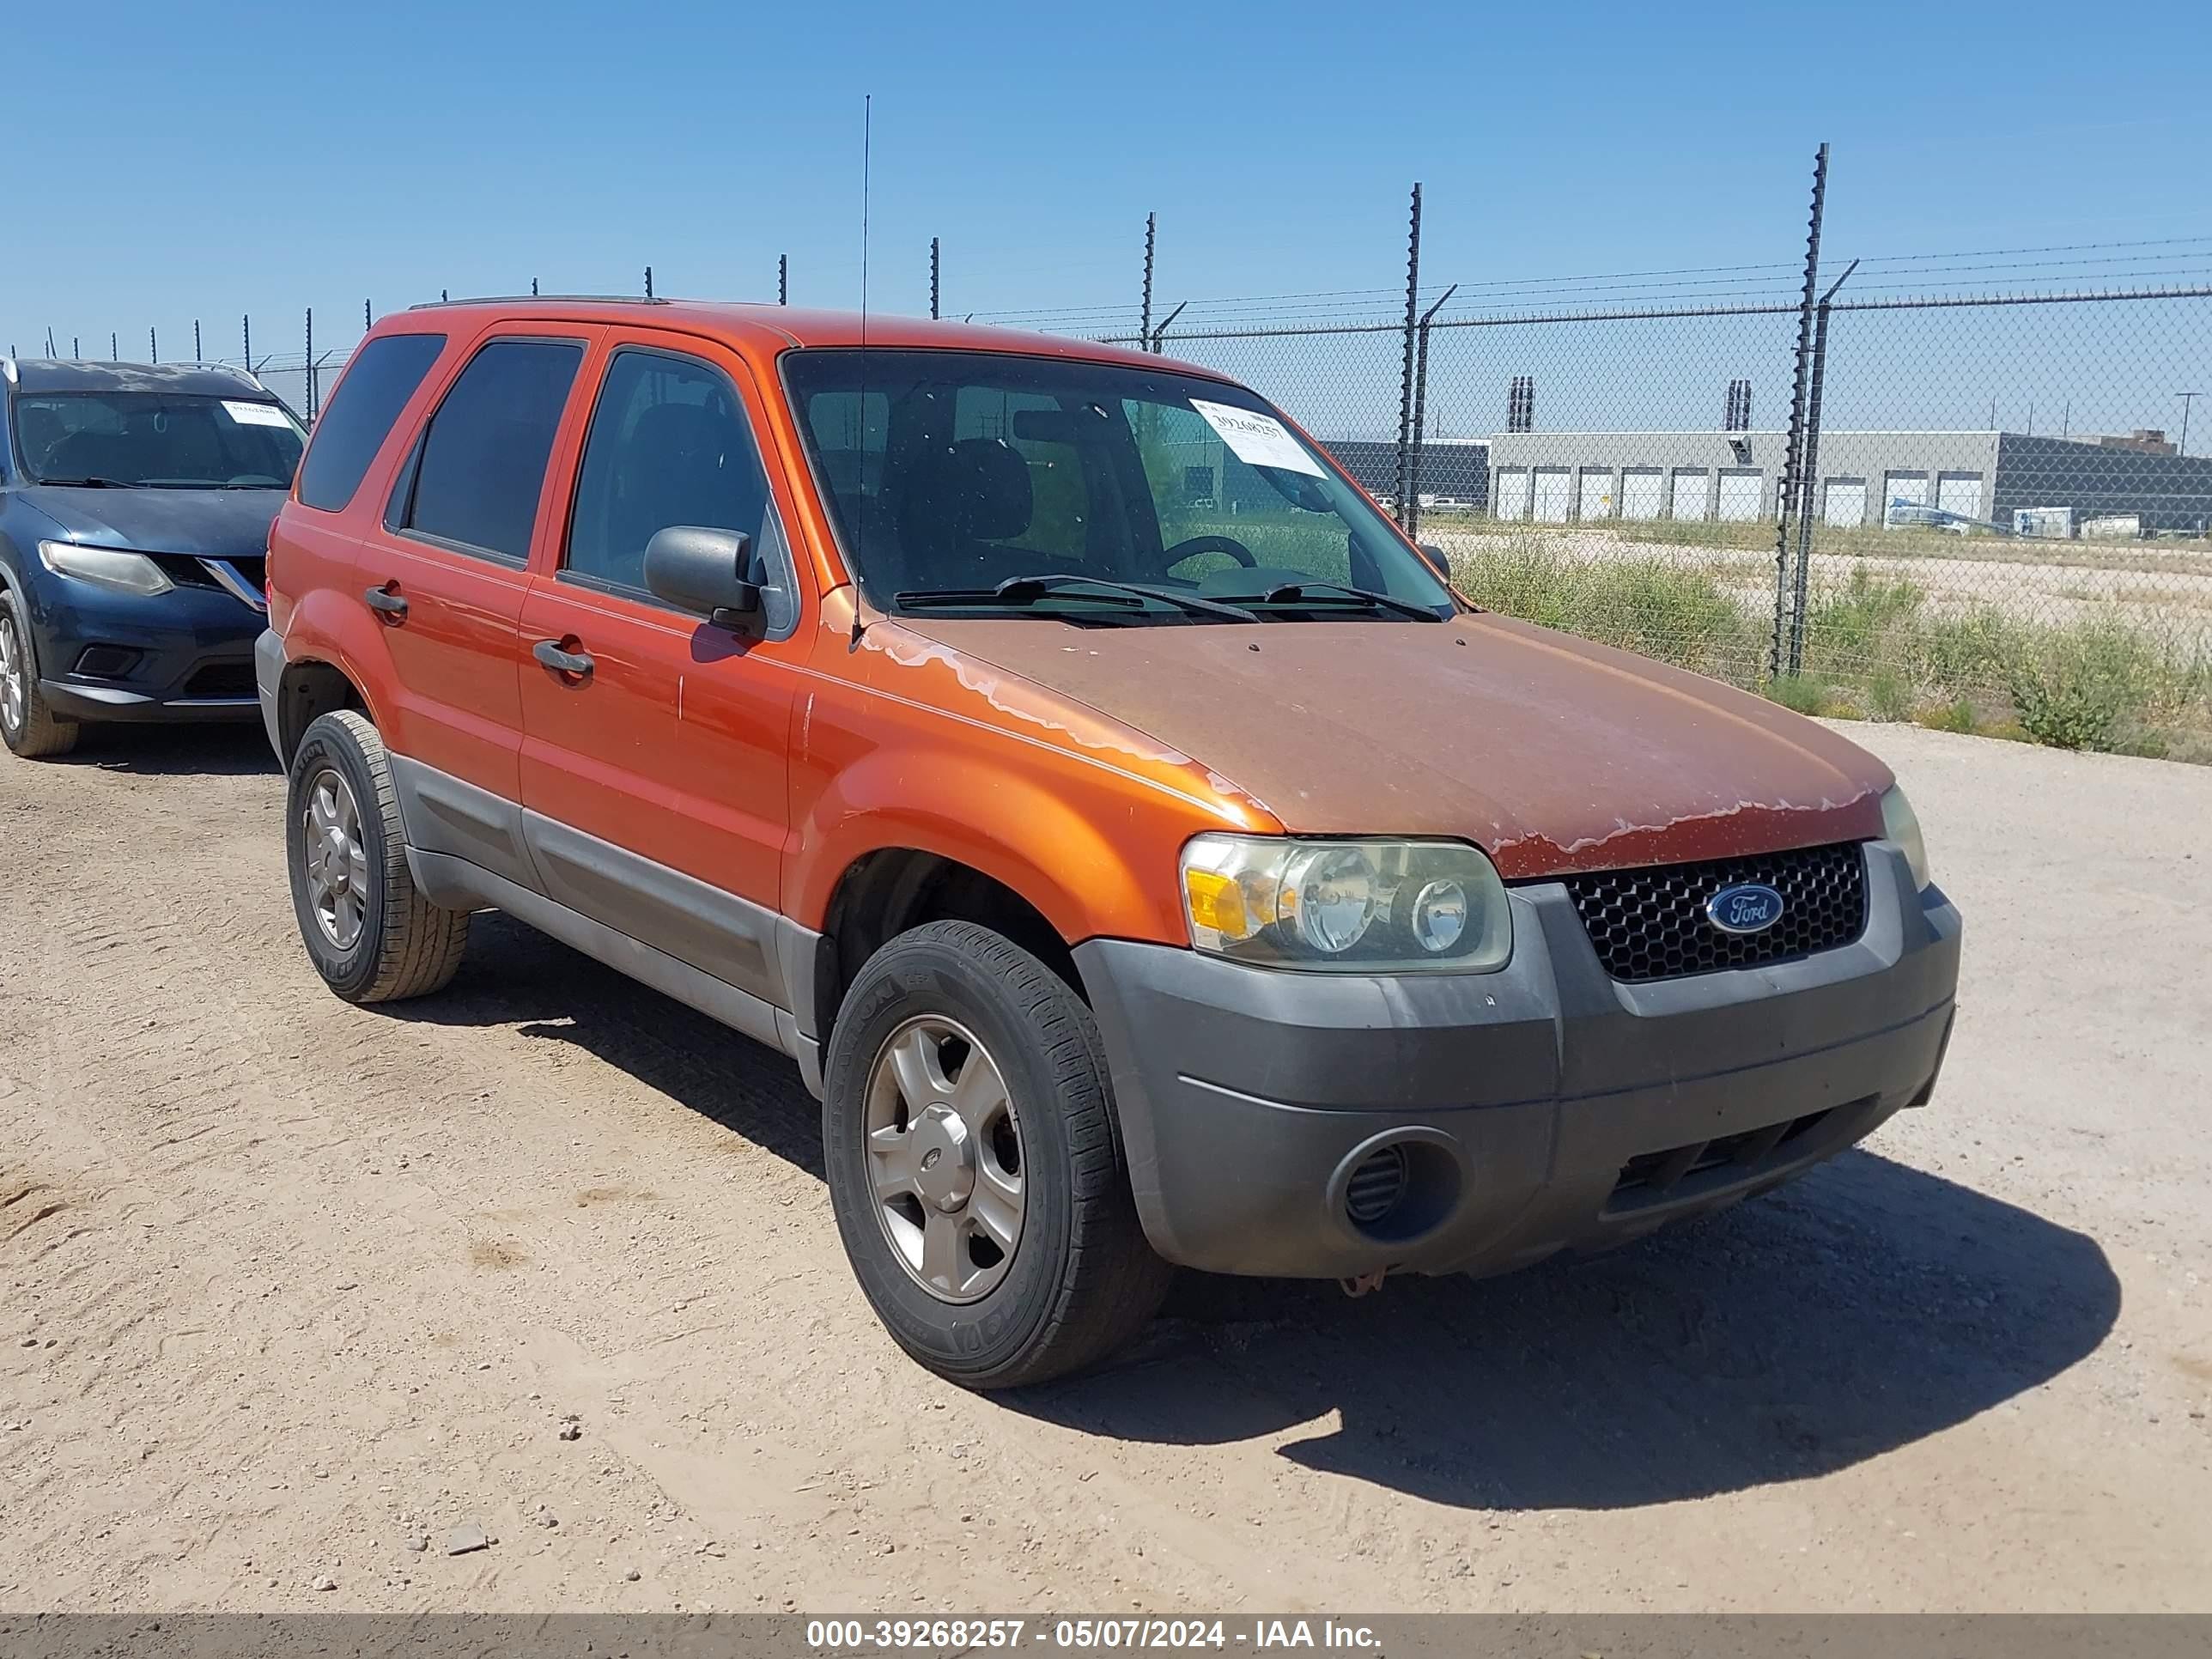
[
  {"x": 1289, "y": 592},
  {"x": 88, "y": 484},
  {"x": 1027, "y": 590}
]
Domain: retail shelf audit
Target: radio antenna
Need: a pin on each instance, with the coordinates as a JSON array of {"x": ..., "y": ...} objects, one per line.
[{"x": 861, "y": 405}]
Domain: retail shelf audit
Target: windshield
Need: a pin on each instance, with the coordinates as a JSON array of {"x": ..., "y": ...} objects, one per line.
[
  {"x": 986, "y": 481},
  {"x": 157, "y": 439}
]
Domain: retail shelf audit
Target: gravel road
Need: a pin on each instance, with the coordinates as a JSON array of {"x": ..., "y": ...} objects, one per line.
[{"x": 290, "y": 1292}]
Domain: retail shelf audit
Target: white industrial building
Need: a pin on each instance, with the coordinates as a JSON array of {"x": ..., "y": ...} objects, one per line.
[{"x": 1864, "y": 478}]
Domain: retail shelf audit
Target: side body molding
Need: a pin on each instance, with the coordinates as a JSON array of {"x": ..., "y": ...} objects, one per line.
[{"x": 735, "y": 961}]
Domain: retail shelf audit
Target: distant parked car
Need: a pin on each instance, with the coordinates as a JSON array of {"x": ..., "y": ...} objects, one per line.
[{"x": 134, "y": 503}]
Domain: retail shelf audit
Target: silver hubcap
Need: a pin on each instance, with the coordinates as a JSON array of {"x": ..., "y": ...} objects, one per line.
[
  {"x": 15, "y": 688},
  {"x": 944, "y": 1158},
  {"x": 337, "y": 863}
]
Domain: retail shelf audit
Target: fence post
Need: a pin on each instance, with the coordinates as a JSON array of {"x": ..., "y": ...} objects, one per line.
[
  {"x": 933, "y": 278},
  {"x": 1144, "y": 305},
  {"x": 1792, "y": 483},
  {"x": 1812, "y": 471},
  {"x": 1421, "y": 412},
  {"x": 1406, "y": 375}
]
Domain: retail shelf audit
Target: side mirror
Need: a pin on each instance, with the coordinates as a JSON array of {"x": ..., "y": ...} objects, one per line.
[
  {"x": 1433, "y": 554},
  {"x": 702, "y": 570}
]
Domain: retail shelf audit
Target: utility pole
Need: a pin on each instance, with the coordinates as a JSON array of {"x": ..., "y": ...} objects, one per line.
[{"x": 2187, "y": 398}]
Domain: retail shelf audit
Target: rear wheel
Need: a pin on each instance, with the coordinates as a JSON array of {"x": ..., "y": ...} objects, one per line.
[
  {"x": 371, "y": 934},
  {"x": 977, "y": 1180},
  {"x": 27, "y": 725}
]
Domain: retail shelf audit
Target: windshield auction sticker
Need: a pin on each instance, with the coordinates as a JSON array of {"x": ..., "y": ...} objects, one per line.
[
  {"x": 1257, "y": 439},
  {"x": 255, "y": 414}
]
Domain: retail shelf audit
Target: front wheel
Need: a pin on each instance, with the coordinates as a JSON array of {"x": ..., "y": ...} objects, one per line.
[
  {"x": 27, "y": 725},
  {"x": 978, "y": 1182}
]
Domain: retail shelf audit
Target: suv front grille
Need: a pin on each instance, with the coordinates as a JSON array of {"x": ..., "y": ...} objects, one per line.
[{"x": 1651, "y": 924}]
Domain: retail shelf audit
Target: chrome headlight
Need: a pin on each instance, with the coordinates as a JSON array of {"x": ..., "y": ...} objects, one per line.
[
  {"x": 1369, "y": 906},
  {"x": 1900, "y": 824},
  {"x": 105, "y": 567}
]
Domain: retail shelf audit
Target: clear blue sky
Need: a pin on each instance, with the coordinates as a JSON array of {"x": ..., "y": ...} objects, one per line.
[{"x": 167, "y": 162}]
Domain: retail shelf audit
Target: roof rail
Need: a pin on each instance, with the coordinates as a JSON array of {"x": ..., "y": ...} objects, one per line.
[{"x": 516, "y": 299}]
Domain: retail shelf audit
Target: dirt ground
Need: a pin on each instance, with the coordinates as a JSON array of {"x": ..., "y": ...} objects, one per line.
[{"x": 287, "y": 1286}]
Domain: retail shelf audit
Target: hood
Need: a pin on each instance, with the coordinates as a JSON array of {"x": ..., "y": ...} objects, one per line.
[
  {"x": 208, "y": 523},
  {"x": 1550, "y": 753}
]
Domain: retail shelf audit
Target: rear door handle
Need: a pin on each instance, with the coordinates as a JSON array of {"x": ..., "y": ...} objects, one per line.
[
  {"x": 550, "y": 653},
  {"x": 386, "y": 601}
]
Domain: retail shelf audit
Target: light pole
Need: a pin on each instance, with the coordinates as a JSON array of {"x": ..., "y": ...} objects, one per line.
[{"x": 2187, "y": 398}]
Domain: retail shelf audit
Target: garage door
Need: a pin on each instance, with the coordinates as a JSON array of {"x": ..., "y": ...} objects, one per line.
[
  {"x": 1639, "y": 493},
  {"x": 1740, "y": 494},
  {"x": 1553, "y": 490},
  {"x": 1843, "y": 502},
  {"x": 1960, "y": 493},
  {"x": 1693, "y": 494},
  {"x": 1512, "y": 496},
  {"x": 1595, "y": 501},
  {"x": 1906, "y": 489}
]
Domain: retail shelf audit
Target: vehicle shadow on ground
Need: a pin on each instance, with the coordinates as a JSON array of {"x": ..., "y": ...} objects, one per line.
[
  {"x": 1865, "y": 1307},
  {"x": 516, "y": 976},
  {"x": 159, "y": 750},
  {"x": 1868, "y": 1306}
]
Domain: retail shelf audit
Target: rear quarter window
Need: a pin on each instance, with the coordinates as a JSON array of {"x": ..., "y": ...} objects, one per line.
[{"x": 377, "y": 385}]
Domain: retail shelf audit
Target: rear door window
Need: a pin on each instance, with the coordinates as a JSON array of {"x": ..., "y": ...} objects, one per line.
[
  {"x": 481, "y": 466},
  {"x": 376, "y": 385}
]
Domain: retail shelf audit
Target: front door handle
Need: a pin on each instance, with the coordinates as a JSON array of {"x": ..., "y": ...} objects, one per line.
[
  {"x": 575, "y": 663},
  {"x": 387, "y": 602}
]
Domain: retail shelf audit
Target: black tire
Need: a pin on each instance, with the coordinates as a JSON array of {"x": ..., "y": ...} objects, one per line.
[
  {"x": 406, "y": 946},
  {"x": 38, "y": 733},
  {"x": 1081, "y": 1279}
]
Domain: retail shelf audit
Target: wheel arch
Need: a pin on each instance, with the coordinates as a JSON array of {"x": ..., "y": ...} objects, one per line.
[
  {"x": 891, "y": 891},
  {"x": 309, "y": 688}
]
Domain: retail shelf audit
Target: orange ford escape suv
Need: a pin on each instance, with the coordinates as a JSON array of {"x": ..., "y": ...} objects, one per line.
[{"x": 1143, "y": 852}]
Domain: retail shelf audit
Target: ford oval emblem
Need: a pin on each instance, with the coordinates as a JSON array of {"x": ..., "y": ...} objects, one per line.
[{"x": 1747, "y": 907}]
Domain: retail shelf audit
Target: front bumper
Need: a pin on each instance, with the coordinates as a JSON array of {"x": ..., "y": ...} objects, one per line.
[
  {"x": 184, "y": 655},
  {"x": 1546, "y": 1107}
]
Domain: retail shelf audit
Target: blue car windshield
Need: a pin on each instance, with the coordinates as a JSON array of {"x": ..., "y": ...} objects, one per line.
[{"x": 157, "y": 440}]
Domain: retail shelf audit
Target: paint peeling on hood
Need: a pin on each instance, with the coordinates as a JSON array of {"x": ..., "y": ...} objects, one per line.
[
  {"x": 1033, "y": 701},
  {"x": 1550, "y": 753}
]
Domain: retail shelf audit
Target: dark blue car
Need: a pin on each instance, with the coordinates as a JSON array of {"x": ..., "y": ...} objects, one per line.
[{"x": 134, "y": 503}]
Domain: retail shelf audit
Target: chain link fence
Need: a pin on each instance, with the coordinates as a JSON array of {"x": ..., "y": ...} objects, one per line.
[
  {"x": 1885, "y": 493},
  {"x": 1968, "y": 520}
]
